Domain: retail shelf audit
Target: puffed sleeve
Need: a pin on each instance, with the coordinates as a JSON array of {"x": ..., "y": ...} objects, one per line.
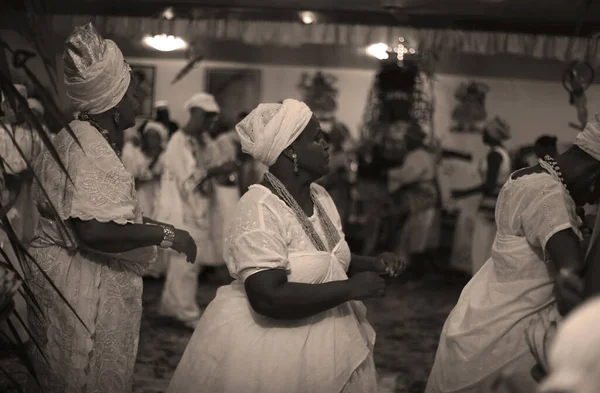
[
  {"x": 256, "y": 241},
  {"x": 548, "y": 211},
  {"x": 100, "y": 187}
]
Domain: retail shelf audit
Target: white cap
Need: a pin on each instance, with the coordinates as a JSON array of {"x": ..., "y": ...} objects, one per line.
[
  {"x": 203, "y": 101},
  {"x": 161, "y": 104}
]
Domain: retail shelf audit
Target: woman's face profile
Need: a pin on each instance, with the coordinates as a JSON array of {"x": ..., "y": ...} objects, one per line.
[
  {"x": 129, "y": 105},
  {"x": 312, "y": 149}
]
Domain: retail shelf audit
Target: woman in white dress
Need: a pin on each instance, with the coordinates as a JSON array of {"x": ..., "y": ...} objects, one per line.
[
  {"x": 494, "y": 171},
  {"x": 292, "y": 321},
  {"x": 533, "y": 276}
]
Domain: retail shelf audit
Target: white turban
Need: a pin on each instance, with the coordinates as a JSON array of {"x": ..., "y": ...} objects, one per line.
[
  {"x": 96, "y": 74},
  {"x": 271, "y": 128},
  {"x": 203, "y": 101},
  {"x": 575, "y": 354},
  {"x": 588, "y": 140}
]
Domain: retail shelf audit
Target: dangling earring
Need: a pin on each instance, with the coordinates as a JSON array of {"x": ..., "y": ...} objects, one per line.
[
  {"x": 295, "y": 158},
  {"x": 593, "y": 187},
  {"x": 117, "y": 118}
]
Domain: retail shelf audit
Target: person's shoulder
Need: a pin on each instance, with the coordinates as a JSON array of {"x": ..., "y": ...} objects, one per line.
[
  {"x": 319, "y": 190},
  {"x": 256, "y": 196},
  {"x": 78, "y": 132},
  {"x": 536, "y": 185}
]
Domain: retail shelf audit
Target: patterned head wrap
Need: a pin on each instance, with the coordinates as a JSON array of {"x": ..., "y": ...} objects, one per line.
[
  {"x": 96, "y": 74},
  {"x": 203, "y": 101},
  {"x": 271, "y": 128},
  {"x": 588, "y": 140},
  {"x": 498, "y": 129},
  {"x": 574, "y": 356}
]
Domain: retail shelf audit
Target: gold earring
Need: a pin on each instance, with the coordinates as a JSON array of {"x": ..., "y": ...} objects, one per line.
[{"x": 295, "y": 158}]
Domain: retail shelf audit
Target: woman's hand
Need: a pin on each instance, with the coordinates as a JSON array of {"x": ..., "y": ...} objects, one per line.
[
  {"x": 184, "y": 244},
  {"x": 392, "y": 264},
  {"x": 568, "y": 290},
  {"x": 366, "y": 285}
]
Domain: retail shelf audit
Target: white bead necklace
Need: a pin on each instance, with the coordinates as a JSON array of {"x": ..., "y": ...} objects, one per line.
[{"x": 331, "y": 233}]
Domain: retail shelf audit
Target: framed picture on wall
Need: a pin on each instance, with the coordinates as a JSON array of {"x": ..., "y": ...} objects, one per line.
[
  {"x": 236, "y": 90},
  {"x": 146, "y": 74}
]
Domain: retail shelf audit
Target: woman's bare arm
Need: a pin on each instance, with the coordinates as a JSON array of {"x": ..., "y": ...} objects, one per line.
[
  {"x": 565, "y": 253},
  {"x": 270, "y": 294},
  {"x": 361, "y": 263},
  {"x": 112, "y": 238}
]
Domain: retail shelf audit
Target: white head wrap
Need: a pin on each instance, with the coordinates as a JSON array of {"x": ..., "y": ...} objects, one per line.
[
  {"x": 588, "y": 140},
  {"x": 160, "y": 129},
  {"x": 271, "y": 128},
  {"x": 575, "y": 354},
  {"x": 96, "y": 74},
  {"x": 203, "y": 101}
]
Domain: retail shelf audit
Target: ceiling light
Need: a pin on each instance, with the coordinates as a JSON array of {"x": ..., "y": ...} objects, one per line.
[
  {"x": 165, "y": 43},
  {"x": 379, "y": 51},
  {"x": 308, "y": 17},
  {"x": 168, "y": 13}
]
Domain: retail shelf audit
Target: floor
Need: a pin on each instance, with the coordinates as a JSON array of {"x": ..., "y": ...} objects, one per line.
[{"x": 407, "y": 321}]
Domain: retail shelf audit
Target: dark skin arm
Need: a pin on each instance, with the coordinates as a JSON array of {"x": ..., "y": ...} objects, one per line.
[
  {"x": 110, "y": 237},
  {"x": 270, "y": 294},
  {"x": 565, "y": 253},
  {"x": 494, "y": 160},
  {"x": 360, "y": 263}
]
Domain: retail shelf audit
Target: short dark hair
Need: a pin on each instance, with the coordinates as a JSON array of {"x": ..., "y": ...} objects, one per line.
[{"x": 546, "y": 141}]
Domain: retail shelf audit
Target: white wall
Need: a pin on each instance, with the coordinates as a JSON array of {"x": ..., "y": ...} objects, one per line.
[
  {"x": 277, "y": 83},
  {"x": 531, "y": 107}
]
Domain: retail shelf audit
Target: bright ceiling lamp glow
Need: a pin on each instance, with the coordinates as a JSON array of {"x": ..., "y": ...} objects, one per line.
[
  {"x": 165, "y": 43},
  {"x": 168, "y": 13},
  {"x": 308, "y": 17},
  {"x": 379, "y": 51}
]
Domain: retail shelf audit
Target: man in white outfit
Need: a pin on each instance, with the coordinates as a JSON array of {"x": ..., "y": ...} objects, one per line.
[{"x": 191, "y": 160}]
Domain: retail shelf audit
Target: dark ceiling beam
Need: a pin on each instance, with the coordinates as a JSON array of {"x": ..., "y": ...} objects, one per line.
[{"x": 509, "y": 20}]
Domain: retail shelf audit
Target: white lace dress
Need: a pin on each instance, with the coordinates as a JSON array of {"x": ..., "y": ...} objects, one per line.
[
  {"x": 234, "y": 349},
  {"x": 485, "y": 333},
  {"x": 104, "y": 289}
]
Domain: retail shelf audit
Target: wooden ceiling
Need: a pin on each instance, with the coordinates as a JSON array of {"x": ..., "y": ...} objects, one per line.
[{"x": 525, "y": 16}]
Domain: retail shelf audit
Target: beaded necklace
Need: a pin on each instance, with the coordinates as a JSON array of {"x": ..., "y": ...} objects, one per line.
[
  {"x": 549, "y": 164},
  {"x": 331, "y": 233},
  {"x": 85, "y": 117}
]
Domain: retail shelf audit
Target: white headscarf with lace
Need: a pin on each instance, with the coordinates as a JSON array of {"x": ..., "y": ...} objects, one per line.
[
  {"x": 271, "y": 128},
  {"x": 96, "y": 74}
]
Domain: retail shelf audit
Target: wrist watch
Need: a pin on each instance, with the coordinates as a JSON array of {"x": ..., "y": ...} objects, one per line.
[{"x": 169, "y": 238}]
